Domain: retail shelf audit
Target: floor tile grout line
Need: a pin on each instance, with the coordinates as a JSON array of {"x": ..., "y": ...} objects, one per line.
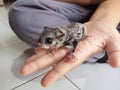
[
  {"x": 27, "y": 81},
  {"x": 72, "y": 82},
  {"x": 40, "y": 76},
  {"x": 6, "y": 22}
]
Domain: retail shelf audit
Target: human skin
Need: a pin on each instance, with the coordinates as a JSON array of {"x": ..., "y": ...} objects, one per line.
[{"x": 103, "y": 36}]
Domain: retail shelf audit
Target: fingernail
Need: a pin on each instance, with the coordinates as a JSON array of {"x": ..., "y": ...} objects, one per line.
[
  {"x": 25, "y": 70},
  {"x": 46, "y": 84}
]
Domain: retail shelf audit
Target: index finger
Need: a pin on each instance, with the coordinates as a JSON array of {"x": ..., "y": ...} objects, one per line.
[
  {"x": 39, "y": 53},
  {"x": 44, "y": 61},
  {"x": 63, "y": 67}
]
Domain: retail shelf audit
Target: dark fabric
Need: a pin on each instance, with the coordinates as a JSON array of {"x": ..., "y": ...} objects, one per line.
[{"x": 103, "y": 59}]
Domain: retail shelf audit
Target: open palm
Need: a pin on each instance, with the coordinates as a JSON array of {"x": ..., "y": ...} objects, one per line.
[{"x": 101, "y": 37}]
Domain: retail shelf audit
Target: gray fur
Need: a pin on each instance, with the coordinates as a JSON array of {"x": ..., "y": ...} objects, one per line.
[{"x": 67, "y": 36}]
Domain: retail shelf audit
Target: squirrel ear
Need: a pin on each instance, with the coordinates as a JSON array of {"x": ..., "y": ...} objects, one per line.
[
  {"x": 57, "y": 32},
  {"x": 61, "y": 32},
  {"x": 71, "y": 25},
  {"x": 74, "y": 25},
  {"x": 46, "y": 28}
]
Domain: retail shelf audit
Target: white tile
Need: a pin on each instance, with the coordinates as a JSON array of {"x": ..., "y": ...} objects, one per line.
[
  {"x": 1, "y": 2},
  {"x": 11, "y": 59},
  {"x": 3, "y": 13},
  {"x": 7, "y": 37},
  {"x": 96, "y": 77},
  {"x": 61, "y": 84}
]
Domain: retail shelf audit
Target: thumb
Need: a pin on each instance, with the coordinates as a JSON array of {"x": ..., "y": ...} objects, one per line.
[{"x": 113, "y": 50}]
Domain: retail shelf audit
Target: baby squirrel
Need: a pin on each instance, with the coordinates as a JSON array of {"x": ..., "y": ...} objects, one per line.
[{"x": 69, "y": 36}]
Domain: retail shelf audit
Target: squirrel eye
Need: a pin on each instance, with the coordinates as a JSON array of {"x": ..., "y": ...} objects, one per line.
[{"x": 48, "y": 40}]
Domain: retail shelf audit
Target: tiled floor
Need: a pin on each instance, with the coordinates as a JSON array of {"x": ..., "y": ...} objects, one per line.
[{"x": 13, "y": 53}]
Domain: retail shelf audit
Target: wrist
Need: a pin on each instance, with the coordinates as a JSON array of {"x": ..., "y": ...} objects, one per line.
[
  {"x": 105, "y": 19},
  {"x": 107, "y": 12},
  {"x": 100, "y": 25}
]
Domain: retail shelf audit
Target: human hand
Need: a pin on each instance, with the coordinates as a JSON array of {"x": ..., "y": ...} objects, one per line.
[{"x": 102, "y": 37}]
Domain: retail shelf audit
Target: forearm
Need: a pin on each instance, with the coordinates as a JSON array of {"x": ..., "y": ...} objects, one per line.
[{"x": 108, "y": 11}]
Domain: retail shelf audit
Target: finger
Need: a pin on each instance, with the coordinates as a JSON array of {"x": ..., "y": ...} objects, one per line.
[
  {"x": 37, "y": 55},
  {"x": 58, "y": 71},
  {"x": 113, "y": 50},
  {"x": 62, "y": 67},
  {"x": 37, "y": 49},
  {"x": 44, "y": 61}
]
